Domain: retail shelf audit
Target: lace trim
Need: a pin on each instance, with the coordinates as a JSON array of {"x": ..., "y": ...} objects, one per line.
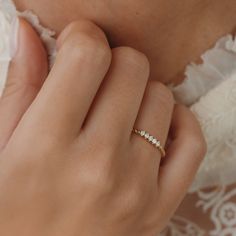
[{"x": 218, "y": 207}]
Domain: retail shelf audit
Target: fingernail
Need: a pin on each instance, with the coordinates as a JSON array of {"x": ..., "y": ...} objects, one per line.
[{"x": 14, "y": 37}]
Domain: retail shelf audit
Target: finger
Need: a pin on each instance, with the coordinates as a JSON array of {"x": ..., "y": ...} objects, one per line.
[
  {"x": 184, "y": 156},
  {"x": 64, "y": 100},
  {"x": 116, "y": 106},
  {"x": 26, "y": 74},
  {"x": 154, "y": 117}
]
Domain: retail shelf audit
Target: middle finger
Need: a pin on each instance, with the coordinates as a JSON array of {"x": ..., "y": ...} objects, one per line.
[{"x": 116, "y": 107}]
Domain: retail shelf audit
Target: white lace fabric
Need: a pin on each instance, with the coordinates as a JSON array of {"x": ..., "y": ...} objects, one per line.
[
  {"x": 210, "y": 91},
  {"x": 210, "y": 212}
]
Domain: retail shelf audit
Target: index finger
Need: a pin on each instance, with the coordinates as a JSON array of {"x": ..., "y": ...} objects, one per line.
[{"x": 62, "y": 104}]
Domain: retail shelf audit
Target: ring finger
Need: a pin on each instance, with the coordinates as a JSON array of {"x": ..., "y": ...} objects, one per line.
[{"x": 154, "y": 117}]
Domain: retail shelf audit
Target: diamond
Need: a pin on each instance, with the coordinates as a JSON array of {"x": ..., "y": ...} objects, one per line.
[
  {"x": 154, "y": 141},
  {"x": 142, "y": 133},
  {"x": 150, "y": 138},
  {"x": 146, "y": 135},
  {"x": 158, "y": 144}
]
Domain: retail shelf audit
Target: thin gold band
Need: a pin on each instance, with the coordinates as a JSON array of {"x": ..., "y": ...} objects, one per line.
[{"x": 151, "y": 139}]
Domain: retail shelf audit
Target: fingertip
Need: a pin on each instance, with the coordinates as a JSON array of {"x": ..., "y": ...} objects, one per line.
[{"x": 30, "y": 52}]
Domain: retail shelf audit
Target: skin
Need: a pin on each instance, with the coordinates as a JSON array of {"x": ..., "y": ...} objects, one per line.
[
  {"x": 170, "y": 33},
  {"x": 160, "y": 29},
  {"x": 63, "y": 174}
]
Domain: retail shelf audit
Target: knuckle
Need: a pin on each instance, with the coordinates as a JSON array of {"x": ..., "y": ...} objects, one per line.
[
  {"x": 82, "y": 44},
  {"x": 164, "y": 91},
  {"x": 197, "y": 140},
  {"x": 199, "y": 146},
  {"x": 132, "y": 58},
  {"x": 163, "y": 94},
  {"x": 97, "y": 175},
  {"x": 133, "y": 198}
]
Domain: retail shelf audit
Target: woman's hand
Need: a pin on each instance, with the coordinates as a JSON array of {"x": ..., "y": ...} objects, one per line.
[{"x": 70, "y": 164}]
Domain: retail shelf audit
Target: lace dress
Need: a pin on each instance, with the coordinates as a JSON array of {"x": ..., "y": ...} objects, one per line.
[{"x": 209, "y": 89}]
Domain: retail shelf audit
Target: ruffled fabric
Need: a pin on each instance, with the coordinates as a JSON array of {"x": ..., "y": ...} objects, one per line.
[
  {"x": 8, "y": 38},
  {"x": 9, "y": 24},
  {"x": 218, "y": 65},
  {"x": 46, "y": 35},
  {"x": 209, "y": 90},
  {"x": 216, "y": 112}
]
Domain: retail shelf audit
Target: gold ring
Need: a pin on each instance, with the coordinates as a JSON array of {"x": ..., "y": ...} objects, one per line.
[{"x": 151, "y": 139}]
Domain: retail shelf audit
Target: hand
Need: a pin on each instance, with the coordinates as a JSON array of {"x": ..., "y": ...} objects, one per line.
[{"x": 70, "y": 164}]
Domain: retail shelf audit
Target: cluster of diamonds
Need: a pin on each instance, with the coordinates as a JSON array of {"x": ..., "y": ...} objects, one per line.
[{"x": 149, "y": 138}]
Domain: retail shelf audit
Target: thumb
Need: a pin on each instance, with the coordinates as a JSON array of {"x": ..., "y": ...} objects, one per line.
[{"x": 26, "y": 75}]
